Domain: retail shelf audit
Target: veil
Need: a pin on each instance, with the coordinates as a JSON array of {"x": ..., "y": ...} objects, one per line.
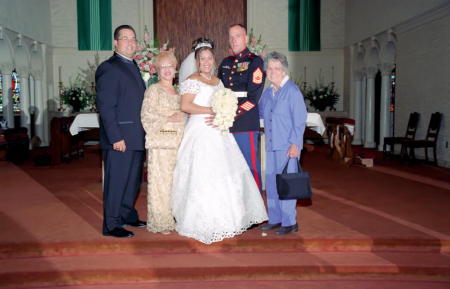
[{"x": 187, "y": 67}]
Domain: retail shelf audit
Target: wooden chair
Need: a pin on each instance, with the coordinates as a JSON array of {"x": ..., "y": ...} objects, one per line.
[
  {"x": 430, "y": 140},
  {"x": 340, "y": 139},
  {"x": 410, "y": 134}
]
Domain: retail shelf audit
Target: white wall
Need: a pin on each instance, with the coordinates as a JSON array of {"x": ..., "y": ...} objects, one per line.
[
  {"x": 365, "y": 18},
  {"x": 270, "y": 19},
  {"x": 137, "y": 13},
  {"x": 30, "y": 18},
  {"x": 423, "y": 82}
]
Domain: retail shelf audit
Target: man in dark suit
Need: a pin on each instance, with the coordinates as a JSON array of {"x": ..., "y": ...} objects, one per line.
[{"x": 120, "y": 92}]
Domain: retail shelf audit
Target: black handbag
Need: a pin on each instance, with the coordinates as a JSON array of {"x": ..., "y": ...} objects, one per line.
[{"x": 291, "y": 186}]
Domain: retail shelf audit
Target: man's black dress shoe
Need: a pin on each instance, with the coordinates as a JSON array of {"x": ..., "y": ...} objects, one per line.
[
  {"x": 287, "y": 230},
  {"x": 119, "y": 233},
  {"x": 137, "y": 224},
  {"x": 267, "y": 227}
]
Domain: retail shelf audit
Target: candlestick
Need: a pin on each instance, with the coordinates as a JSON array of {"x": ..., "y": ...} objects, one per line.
[
  {"x": 61, "y": 107},
  {"x": 93, "y": 108}
]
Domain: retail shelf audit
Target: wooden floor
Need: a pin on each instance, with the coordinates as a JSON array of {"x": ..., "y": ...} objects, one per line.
[{"x": 381, "y": 227}]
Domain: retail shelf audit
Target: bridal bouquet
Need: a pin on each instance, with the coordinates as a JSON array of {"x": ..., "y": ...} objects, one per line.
[{"x": 224, "y": 104}]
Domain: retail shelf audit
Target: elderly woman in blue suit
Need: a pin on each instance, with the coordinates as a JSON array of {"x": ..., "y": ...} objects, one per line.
[{"x": 283, "y": 109}]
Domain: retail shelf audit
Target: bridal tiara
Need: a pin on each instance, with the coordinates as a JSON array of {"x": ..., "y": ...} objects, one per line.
[{"x": 204, "y": 44}]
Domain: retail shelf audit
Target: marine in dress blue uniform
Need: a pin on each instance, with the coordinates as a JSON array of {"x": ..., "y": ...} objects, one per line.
[{"x": 244, "y": 74}]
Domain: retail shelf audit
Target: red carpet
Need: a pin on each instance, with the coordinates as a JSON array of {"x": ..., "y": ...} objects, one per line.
[{"x": 367, "y": 228}]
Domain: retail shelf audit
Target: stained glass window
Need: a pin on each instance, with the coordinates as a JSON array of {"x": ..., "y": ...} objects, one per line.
[
  {"x": 15, "y": 88},
  {"x": 392, "y": 79}
]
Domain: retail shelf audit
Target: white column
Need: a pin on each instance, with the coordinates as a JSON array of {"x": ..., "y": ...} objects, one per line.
[
  {"x": 363, "y": 106},
  {"x": 45, "y": 94},
  {"x": 384, "y": 104},
  {"x": 24, "y": 97},
  {"x": 8, "y": 111},
  {"x": 39, "y": 105},
  {"x": 357, "y": 113},
  {"x": 369, "y": 140}
]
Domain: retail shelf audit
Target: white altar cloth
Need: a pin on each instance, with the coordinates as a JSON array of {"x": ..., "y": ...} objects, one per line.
[{"x": 84, "y": 121}]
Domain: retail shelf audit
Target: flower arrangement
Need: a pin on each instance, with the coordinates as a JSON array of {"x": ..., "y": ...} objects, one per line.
[
  {"x": 224, "y": 103},
  {"x": 146, "y": 52},
  {"x": 256, "y": 46},
  {"x": 77, "y": 96},
  {"x": 321, "y": 96}
]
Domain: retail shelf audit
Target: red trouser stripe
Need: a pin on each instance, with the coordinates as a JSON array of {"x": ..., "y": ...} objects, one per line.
[{"x": 253, "y": 155}]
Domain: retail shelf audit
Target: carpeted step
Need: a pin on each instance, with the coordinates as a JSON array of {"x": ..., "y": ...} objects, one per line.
[
  {"x": 271, "y": 284},
  {"x": 250, "y": 244},
  {"x": 102, "y": 269}
]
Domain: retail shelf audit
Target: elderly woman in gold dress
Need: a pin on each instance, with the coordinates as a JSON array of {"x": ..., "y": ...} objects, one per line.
[{"x": 163, "y": 123}]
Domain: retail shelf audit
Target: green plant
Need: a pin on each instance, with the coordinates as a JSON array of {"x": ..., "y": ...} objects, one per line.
[
  {"x": 321, "y": 96},
  {"x": 77, "y": 95}
]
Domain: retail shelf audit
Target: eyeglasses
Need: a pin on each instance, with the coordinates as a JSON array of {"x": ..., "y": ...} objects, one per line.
[
  {"x": 128, "y": 39},
  {"x": 167, "y": 66}
]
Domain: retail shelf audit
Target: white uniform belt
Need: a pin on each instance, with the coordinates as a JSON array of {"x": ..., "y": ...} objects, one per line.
[{"x": 241, "y": 93}]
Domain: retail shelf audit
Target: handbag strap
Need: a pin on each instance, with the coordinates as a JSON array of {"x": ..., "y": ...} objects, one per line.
[{"x": 300, "y": 170}]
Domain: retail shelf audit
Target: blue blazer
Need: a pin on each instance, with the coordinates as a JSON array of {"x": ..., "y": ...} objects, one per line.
[
  {"x": 120, "y": 92},
  {"x": 284, "y": 117}
]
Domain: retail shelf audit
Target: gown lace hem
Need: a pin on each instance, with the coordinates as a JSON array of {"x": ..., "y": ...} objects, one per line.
[{"x": 219, "y": 235}]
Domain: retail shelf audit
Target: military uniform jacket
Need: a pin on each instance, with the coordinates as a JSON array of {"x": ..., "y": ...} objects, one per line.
[{"x": 244, "y": 72}]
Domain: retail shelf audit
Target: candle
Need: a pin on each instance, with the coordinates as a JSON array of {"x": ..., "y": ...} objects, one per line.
[
  {"x": 59, "y": 73},
  {"x": 332, "y": 73}
]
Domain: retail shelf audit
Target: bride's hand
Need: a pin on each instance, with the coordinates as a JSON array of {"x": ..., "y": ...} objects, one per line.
[
  {"x": 209, "y": 120},
  {"x": 176, "y": 117}
]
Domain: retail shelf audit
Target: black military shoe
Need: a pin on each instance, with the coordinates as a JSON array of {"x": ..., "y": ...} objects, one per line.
[{"x": 119, "y": 233}]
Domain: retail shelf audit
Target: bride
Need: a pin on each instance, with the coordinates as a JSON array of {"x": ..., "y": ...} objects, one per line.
[{"x": 214, "y": 194}]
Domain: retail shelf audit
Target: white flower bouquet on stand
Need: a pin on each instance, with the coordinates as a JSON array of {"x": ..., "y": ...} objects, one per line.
[{"x": 224, "y": 103}]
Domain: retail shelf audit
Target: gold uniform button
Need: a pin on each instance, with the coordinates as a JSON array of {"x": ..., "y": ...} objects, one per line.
[
  {"x": 231, "y": 84},
  {"x": 236, "y": 60},
  {"x": 230, "y": 78},
  {"x": 232, "y": 72},
  {"x": 234, "y": 66}
]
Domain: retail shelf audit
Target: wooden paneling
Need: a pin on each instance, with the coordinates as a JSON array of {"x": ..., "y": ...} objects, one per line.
[{"x": 182, "y": 21}]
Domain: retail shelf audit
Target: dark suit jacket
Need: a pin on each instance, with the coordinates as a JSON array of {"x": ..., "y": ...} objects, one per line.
[{"x": 120, "y": 92}]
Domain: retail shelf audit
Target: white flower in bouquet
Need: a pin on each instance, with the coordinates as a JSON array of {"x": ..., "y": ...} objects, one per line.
[
  {"x": 224, "y": 104},
  {"x": 145, "y": 76}
]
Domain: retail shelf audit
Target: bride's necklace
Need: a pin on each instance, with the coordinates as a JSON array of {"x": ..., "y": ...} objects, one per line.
[{"x": 206, "y": 77}]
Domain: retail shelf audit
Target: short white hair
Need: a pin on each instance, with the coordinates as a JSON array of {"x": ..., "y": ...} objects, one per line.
[{"x": 277, "y": 56}]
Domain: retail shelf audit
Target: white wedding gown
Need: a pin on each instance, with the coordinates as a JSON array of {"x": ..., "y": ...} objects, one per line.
[{"x": 214, "y": 194}]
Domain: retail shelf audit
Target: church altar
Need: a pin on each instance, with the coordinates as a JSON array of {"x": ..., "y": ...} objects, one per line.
[{"x": 85, "y": 121}]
